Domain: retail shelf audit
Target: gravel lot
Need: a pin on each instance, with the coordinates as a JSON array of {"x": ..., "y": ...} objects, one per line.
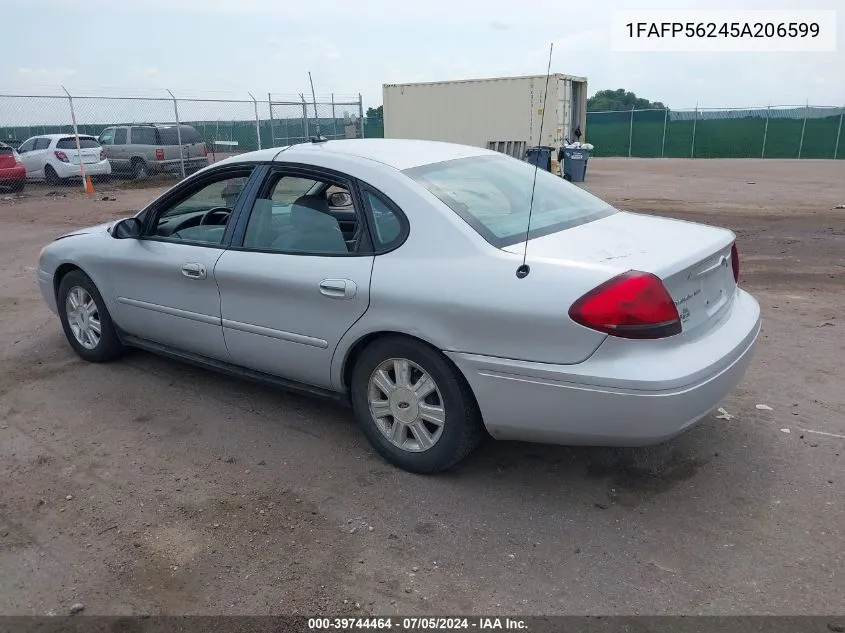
[{"x": 147, "y": 486}]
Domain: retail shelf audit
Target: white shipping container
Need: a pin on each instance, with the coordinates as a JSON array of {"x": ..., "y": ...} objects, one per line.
[{"x": 502, "y": 114}]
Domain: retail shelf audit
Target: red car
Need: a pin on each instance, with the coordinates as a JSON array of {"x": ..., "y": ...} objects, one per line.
[{"x": 12, "y": 171}]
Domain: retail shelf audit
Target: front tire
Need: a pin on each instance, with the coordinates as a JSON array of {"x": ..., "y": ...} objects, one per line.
[
  {"x": 86, "y": 320},
  {"x": 415, "y": 408}
]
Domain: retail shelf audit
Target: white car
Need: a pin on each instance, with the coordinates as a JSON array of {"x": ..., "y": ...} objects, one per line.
[
  {"x": 394, "y": 275},
  {"x": 55, "y": 157}
]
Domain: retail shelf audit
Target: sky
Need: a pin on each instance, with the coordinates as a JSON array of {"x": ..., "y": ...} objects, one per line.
[{"x": 221, "y": 48}]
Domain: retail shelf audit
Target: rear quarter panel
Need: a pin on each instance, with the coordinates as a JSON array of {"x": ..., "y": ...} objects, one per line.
[{"x": 172, "y": 152}]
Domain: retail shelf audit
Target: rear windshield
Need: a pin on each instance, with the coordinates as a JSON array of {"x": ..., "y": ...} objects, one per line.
[
  {"x": 493, "y": 195},
  {"x": 168, "y": 135},
  {"x": 5, "y": 149},
  {"x": 85, "y": 142}
]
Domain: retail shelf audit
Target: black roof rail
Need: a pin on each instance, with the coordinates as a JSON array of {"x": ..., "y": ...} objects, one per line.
[{"x": 142, "y": 124}]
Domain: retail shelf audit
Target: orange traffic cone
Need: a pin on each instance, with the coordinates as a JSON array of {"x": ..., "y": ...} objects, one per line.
[{"x": 89, "y": 185}]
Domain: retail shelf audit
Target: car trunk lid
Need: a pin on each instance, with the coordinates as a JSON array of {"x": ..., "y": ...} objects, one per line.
[
  {"x": 88, "y": 156},
  {"x": 7, "y": 157},
  {"x": 88, "y": 153},
  {"x": 692, "y": 260}
]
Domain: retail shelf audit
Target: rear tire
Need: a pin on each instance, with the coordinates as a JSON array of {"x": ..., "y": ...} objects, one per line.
[
  {"x": 86, "y": 320},
  {"x": 140, "y": 171},
  {"x": 439, "y": 429},
  {"x": 51, "y": 177}
]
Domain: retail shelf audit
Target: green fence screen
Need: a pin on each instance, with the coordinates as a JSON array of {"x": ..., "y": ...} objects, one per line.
[{"x": 774, "y": 132}]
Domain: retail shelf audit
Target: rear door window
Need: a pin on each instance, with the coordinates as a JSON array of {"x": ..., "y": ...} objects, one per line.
[
  {"x": 42, "y": 143},
  {"x": 120, "y": 136}
]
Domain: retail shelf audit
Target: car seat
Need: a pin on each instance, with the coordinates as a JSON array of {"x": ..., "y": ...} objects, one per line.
[{"x": 315, "y": 229}]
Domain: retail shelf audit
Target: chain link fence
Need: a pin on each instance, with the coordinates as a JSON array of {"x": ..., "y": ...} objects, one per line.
[
  {"x": 225, "y": 126},
  {"x": 771, "y": 132},
  {"x": 297, "y": 121},
  {"x": 233, "y": 126}
]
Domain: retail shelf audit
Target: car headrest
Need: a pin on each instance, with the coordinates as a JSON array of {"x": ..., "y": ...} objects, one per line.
[{"x": 310, "y": 213}]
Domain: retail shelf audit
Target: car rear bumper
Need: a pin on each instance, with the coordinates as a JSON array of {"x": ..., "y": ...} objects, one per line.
[
  {"x": 12, "y": 174},
  {"x": 636, "y": 398},
  {"x": 68, "y": 170}
]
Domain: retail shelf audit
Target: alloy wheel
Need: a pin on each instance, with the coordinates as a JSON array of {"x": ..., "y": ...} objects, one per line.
[
  {"x": 83, "y": 317},
  {"x": 406, "y": 405}
]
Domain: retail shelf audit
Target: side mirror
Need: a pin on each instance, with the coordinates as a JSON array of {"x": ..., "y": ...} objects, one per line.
[
  {"x": 128, "y": 228},
  {"x": 340, "y": 199}
]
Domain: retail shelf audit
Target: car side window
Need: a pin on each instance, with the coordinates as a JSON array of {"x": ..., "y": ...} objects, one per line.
[
  {"x": 304, "y": 216},
  {"x": 107, "y": 137},
  {"x": 120, "y": 136},
  {"x": 387, "y": 224},
  {"x": 143, "y": 136},
  {"x": 28, "y": 146},
  {"x": 42, "y": 143},
  {"x": 202, "y": 215}
]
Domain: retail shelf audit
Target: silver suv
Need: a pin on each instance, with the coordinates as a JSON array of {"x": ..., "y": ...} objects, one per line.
[{"x": 145, "y": 149}]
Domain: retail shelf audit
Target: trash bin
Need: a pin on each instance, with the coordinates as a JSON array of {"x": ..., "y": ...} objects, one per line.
[
  {"x": 575, "y": 163},
  {"x": 540, "y": 156}
]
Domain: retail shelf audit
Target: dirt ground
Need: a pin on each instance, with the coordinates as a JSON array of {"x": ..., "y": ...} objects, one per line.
[{"x": 147, "y": 486}]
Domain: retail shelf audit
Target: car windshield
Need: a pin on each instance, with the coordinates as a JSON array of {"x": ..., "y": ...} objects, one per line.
[{"x": 493, "y": 195}]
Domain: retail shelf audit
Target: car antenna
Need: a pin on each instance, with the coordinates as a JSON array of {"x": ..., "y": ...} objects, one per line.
[
  {"x": 319, "y": 138},
  {"x": 524, "y": 269}
]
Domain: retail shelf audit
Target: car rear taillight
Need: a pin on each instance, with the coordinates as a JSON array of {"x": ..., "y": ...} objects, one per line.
[
  {"x": 61, "y": 156},
  {"x": 735, "y": 262},
  {"x": 159, "y": 153},
  {"x": 102, "y": 153},
  {"x": 631, "y": 305}
]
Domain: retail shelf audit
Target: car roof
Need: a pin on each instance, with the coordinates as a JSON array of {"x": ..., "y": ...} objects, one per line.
[
  {"x": 397, "y": 153},
  {"x": 149, "y": 125},
  {"x": 57, "y": 136}
]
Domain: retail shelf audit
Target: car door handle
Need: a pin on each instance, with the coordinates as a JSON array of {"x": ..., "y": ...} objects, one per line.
[
  {"x": 194, "y": 271},
  {"x": 338, "y": 288}
]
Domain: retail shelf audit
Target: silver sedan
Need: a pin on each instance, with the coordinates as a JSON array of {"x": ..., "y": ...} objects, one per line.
[{"x": 441, "y": 290}]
